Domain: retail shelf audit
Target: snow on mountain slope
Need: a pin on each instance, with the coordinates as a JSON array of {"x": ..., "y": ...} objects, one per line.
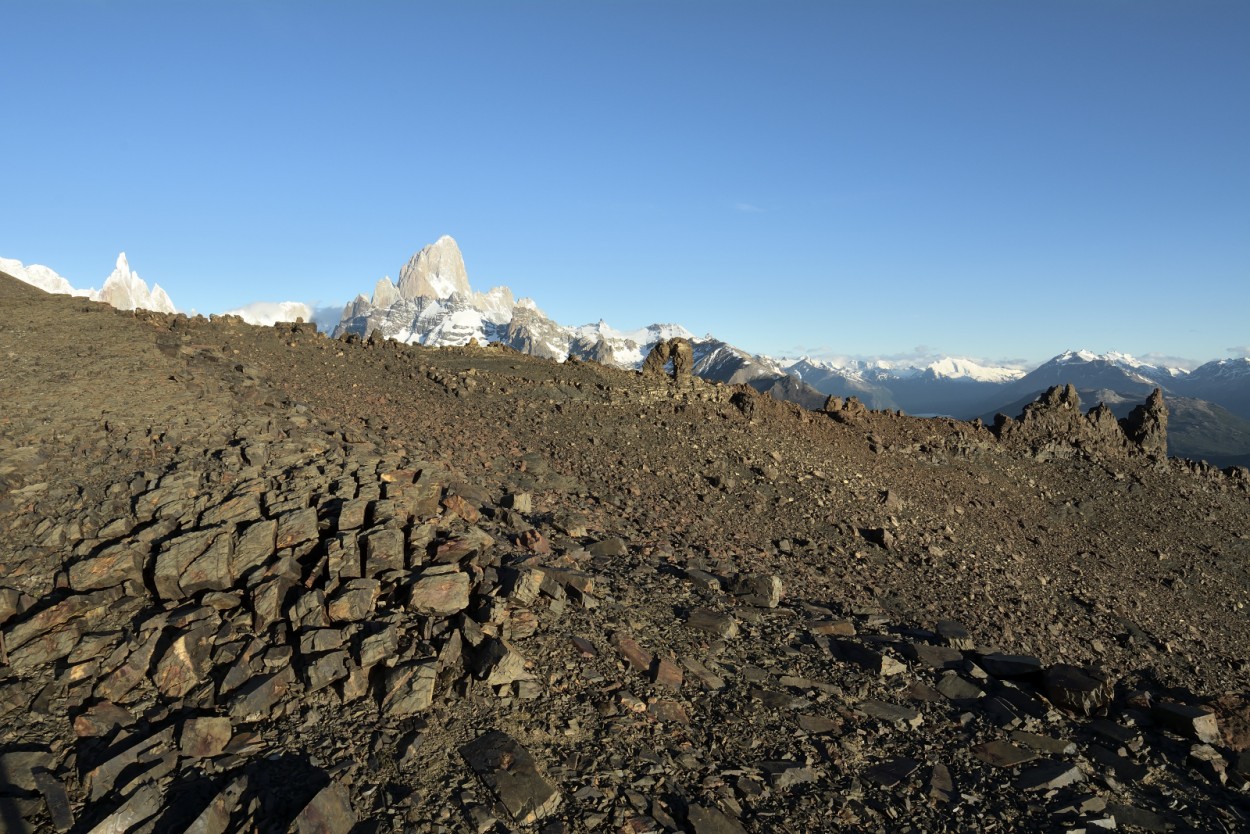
[
  {"x": 880, "y": 370},
  {"x": 38, "y": 275},
  {"x": 123, "y": 288}
]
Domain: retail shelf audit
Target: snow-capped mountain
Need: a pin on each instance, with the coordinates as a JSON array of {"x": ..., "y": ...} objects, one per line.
[
  {"x": 883, "y": 370},
  {"x": 38, "y": 275},
  {"x": 1224, "y": 381},
  {"x": 433, "y": 304},
  {"x": 946, "y": 385},
  {"x": 123, "y": 288}
]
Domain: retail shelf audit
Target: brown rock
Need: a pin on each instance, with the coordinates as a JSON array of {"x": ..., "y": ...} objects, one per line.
[
  {"x": 1193, "y": 722},
  {"x": 112, "y": 566},
  {"x": 713, "y": 622},
  {"x": 185, "y": 662},
  {"x": 510, "y": 771},
  {"x": 409, "y": 688},
  {"x": 458, "y": 506},
  {"x": 329, "y": 812},
  {"x": 1081, "y": 690},
  {"x": 354, "y": 601},
  {"x": 635, "y": 655},
  {"x": 296, "y": 527},
  {"x": 205, "y": 737},
  {"x": 441, "y": 594}
]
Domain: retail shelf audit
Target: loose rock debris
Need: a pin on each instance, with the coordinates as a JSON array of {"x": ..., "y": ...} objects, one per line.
[{"x": 257, "y": 579}]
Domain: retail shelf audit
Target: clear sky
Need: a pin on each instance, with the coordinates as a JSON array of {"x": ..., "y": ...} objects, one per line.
[{"x": 983, "y": 179}]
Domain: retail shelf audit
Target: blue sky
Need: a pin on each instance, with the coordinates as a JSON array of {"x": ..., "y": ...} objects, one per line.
[{"x": 983, "y": 179}]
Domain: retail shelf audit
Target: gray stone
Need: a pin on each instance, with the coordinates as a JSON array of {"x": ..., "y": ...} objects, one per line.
[
  {"x": 934, "y": 657},
  {"x": 1192, "y": 722},
  {"x": 215, "y": 819},
  {"x": 757, "y": 589},
  {"x": 510, "y": 771},
  {"x": 329, "y": 812},
  {"x": 205, "y": 737},
  {"x": 441, "y": 594},
  {"x": 254, "y": 547},
  {"x": 142, "y": 805},
  {"x": 498, "y": 663},
  {"x": 354, "y": 601},
  {"x": 185, "y": 662},
  {"x": 941, "y": 785},
  {"x": 712, "y": 821},
  {"x": 888, "y": 774},
  {"x": 176, "y": 556},
  {"x": 785, "y": 774},
  {"x": 713, "y": 622},
  {"x": 296, "y": 527},
  {"x": 409, "y": 688},
  {"x": 958, "y": 688},
  {"x": 322, "y": 670},
  {"x": 1002, "y": 753},
  {"x": 869, "y": 658},
  {"x": 111, "y": 566},
  {"x": 56, "y": 799},
  {"x": 18, "y": 767},
  {"x": 903, "y": 717},
  {"x": 954, "y": 634},
  {"x": 1081, "y": 690},
  {"x": 1044, "y": 744},
  {"x": 613, "y": 547},
  {"x": 210, "y": 571},
  {"x": 1137, "y": 817},
  {"x": 383, "y": 551},
  {"x": 1048, "y": 775},
  {"x": 256, "y": 698},
  {"x": 1011, "y": 666},
  {"x": 102, "y": 777}
]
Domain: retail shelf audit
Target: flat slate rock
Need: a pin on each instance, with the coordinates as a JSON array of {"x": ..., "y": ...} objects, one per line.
[
  {"x": 510, "y": 771},
  {"x": 711, "y": 821},
  {"x": 1048, "y": 775},
  {"x": 1002, "y": 753},
  {"x": 329, "y": 812},
  {"x": 888, "y": 774}
]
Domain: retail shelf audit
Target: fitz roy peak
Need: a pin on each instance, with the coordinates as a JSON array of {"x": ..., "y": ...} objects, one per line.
[{"x": 434, "y": 305}]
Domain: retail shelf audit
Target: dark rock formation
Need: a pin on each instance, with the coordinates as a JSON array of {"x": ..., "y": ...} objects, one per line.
[
  {"x": 676, "y": 350},
  {"x": 1147, "y": 425},
  {"x": 1054, "y": 427}
]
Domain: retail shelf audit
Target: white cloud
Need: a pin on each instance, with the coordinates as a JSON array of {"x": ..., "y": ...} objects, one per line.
[
  {"x": 749, "y": 208},
  {"x": 1164, "y": 360},
  {"x": 1240, "y": 352},
  {"x": 266, "y": 313}
]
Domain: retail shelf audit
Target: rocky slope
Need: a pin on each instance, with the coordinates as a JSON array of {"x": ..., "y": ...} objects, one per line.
[{"x": 261, "y": 579}]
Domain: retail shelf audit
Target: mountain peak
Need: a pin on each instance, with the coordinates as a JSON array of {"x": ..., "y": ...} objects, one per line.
[
  {"x": 437, "y": 271},
  {"x": 125, "y": 290}
]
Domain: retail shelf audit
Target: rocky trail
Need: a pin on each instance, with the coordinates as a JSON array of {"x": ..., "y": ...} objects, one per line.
[{"x": 256, "y": 579}]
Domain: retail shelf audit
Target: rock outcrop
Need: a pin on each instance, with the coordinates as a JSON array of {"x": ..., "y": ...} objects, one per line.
[
  {"x": 1147, "y": 425},
  {"x": 1053, "y": 426},
  {"x": 676, "y": 351}
]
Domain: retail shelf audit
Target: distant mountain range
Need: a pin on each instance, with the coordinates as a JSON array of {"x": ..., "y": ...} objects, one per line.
[
  {"x": 433, "y": 304},
  {"x": 123, "y": 288}
]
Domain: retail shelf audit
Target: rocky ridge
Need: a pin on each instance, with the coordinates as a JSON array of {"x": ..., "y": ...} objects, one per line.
[{"x": 256, "y": 578}]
